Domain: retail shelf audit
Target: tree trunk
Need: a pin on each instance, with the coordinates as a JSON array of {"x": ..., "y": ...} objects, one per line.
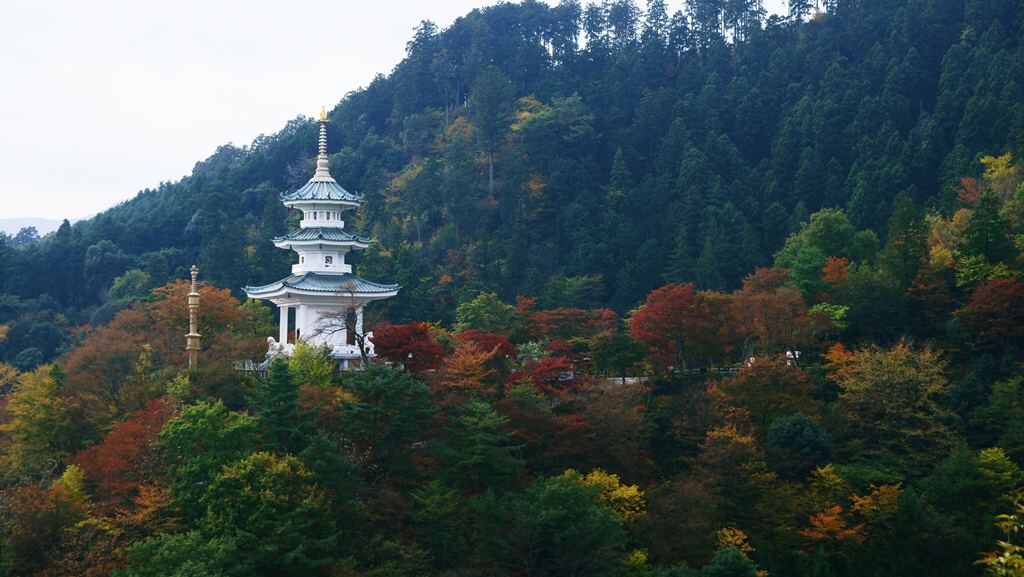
[{"x": 490, "y": 173}]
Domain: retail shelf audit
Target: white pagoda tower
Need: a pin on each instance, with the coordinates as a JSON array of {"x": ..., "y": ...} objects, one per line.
[{"x": 322, "y": 301}]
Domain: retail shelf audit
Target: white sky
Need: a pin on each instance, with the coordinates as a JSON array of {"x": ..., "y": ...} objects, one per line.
[{"x": 102, "y": 98}]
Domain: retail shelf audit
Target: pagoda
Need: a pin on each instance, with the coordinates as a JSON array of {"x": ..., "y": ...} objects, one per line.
[{"x": 322, "y": 301}]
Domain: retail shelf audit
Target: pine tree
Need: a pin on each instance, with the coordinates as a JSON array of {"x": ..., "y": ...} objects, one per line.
[
  {"x": 478, "y": 454},
  {"x": 681, "y": 265},
  {"x": 987, "y": 232},
  {"x": 905, "y": 244},
  {"x": 490, "y": 103},
  {"x": 277, "y": 403}
]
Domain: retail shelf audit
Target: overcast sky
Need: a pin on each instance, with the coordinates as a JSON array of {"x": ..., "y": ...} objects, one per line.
[{"x": 102, "y": 98}]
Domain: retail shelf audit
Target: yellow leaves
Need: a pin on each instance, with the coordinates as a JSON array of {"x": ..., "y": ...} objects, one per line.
[
  {"x": 400, "y": 182},
  {"x": 72, "y": 484},
  {"x": 460, "y": 128},
  {"x": 4, "y": 329},
  {"x": 940, "y": 258},
  {"x": 997, "y": 167},
  {"x": 627, "y": 501},
  {"x": 897, "y": 384},
  {"x": 1008, "y": 560},
  {"x": 529, "y": 108},
  {"x": 941, "y": 232},
  {"x": 735, "y": 538},
  {"x": 1001, "y": 474},
  {"x": 38, "y": 420},
  {"x": 637, "y": 559},
  {"x": 880, "y": 503},
  {"x": 8, "y": 375},
  {"x": 311, "y": 365},
  {"x": 729, "y": 434},
  {"x": 729, "y": 456},
  {"x": 827, "y": 486},
  {"x": 1001, "y": 175},
  {"x": 958, "y": 223},
  {"x": 731, "y": 537},
  {"x": 180, "y": 388}
]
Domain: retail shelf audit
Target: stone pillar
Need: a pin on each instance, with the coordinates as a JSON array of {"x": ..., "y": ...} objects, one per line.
[
  {"x": 359, "y": 321},
  {"x": 342, "y": 327},
  {"x": 282, "y": 335},
  {"x": 300, "y": 323},
  {"x": 192, "y": 338}
]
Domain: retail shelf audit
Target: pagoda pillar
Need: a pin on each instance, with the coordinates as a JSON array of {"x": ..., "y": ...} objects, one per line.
[
  {"x": 282, "y": 335},
  {"x": 359, "y": 321},
  {"x": 300, "y": 323}
]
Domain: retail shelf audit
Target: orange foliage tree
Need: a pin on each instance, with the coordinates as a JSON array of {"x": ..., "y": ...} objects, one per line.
[
  {"x": 100, "y": 369},
  {"x": 467, "y": 369},
  {"x": 835, "y": 270},
  {"x": 830, "y": 528},
  {"x": 777, "y": 319}
]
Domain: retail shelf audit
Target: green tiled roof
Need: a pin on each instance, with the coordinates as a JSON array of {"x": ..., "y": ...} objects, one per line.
[
  {"x": 322, "y": 190},
  {"x": 322, "y": 233},
  {"x": 328, "y": 283}
]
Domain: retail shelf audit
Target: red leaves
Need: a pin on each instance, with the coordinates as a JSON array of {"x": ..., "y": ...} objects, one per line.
[
  {"x": 662, "y": 324},
  {"x": 565, "y": 323},
  {"x": 677, "y": 325},
  {"x": 995, "y": 314},
  {"x": 765, "y": 280},
  {"x": 410, "y": 345},
  {"x": 488, "y": 341},
  {"x": 123, "y": 460}
]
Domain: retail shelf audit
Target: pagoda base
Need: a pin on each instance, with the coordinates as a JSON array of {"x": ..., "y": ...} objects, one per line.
[{"x": 346, "y": 356}]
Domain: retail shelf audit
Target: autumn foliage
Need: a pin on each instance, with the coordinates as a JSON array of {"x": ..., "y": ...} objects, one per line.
[
  {"x": 127, "y": 456},
  {"x": 412, "y": 345},
  {"x": 681, "y": 327},
  {"x": 994, "y": 317}
]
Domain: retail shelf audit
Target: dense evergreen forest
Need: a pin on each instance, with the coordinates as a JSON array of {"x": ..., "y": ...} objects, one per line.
[{"x": 805, "y": 233}]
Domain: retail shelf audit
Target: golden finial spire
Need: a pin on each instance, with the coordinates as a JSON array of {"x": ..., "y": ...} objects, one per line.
[{"x": 322, "y": 173}]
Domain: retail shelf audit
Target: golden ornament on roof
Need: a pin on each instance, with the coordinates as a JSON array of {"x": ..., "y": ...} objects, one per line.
[{"x": 323, "y": 114}]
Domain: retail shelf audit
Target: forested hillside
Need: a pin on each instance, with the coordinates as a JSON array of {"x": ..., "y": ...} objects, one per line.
[
  {"x": 804, "y": 235},
  {"x": 581, "y": 154}
]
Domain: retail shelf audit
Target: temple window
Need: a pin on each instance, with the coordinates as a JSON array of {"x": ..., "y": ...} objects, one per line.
[{"x": 328, "y": 260}]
